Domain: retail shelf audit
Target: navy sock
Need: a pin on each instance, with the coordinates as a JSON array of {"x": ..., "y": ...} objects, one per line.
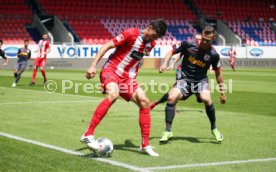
[
  {"x": 170, "y": 113},
  {"x": 210, "y": 110},
  {"x": 17, "y": 78},
  {"x": 163, "y": 99}
]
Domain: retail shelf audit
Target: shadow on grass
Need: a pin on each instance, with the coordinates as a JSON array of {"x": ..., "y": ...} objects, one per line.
[
  {"x": 189, "y": 139},
  {"x": 126, "y": 146},
  {"x": 179, "y": 110}
]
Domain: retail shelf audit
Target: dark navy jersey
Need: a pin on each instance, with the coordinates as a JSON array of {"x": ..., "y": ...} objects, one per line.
[
  {"x": 2, "y": 54},
  {"x": 195, "y": 63},
  {"x": 23, "y": 54}
]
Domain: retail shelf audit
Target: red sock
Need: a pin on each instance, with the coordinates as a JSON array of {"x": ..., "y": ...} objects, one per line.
[
  {"x": 144, "y": 120},
  {"x": 34, "y": 75},
  {"x": 98, "y": 116},
  {"x": 44, "y": 74}
]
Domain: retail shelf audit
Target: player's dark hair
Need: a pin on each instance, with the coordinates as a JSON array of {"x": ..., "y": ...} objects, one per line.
[
  {"x": 26, "y": 40},
  {"x": 160, "y": 26},
  {"x": 208, "y": 30},
  {"x": 1, "y": 41}
]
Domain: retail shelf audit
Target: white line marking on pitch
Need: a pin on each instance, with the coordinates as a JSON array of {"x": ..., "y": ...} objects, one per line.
[
  {"x": 210, "y": 164},
  {"x": 115, "y": 163},
  {"x": 48, "y": 102}
]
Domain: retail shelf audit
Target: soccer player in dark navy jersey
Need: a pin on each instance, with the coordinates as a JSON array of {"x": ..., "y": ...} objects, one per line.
[
  {"x": 197, "y": 58},
  {"x": 164, "y": 98},
  {"x": 2, "y": 54},
  {"x": 23, "y": 54}
]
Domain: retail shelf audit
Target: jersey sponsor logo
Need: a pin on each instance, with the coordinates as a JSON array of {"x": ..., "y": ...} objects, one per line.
[
  {"x": 196, "y": 62},
  {"x": 206, "y": 57},
  {"x": 11, "y": 51},
  {"x": 136, "y": 55},
  {"x": 24, "y": 53},
  {"x": 119, "y": 37},
  {"x": 256, "y": 52}
]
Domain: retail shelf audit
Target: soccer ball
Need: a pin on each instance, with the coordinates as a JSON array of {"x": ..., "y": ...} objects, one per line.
[{"x": 106, "y": 147}]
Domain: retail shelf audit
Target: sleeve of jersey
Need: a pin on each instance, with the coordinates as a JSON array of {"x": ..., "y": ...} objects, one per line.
[
  {"x": 180, "y": 47},
  {"x": 4, "y": 55},
  {"x": 216, "y": 63},
  {"x": 122, "y": 38},
  {"x": 30, "y": 55},
  {"x": 48, "y": 45}
]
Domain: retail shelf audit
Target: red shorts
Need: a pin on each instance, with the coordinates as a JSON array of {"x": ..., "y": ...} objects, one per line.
[
  {"x": 40, "y": 62},
  {"x": 126, "y": 85},
  {"x": 232, "y": 61}
]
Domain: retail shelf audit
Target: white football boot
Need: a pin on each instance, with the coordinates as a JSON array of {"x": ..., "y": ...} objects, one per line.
[
  {"x": 90, "y": 142},
  {"x": 149, "y": 150}
]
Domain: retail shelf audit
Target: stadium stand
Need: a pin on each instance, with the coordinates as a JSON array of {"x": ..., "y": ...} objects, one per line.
[
  {"x": 249, "y": 19},
  {"x": 110, "y": 17},
  {"x": 95, "y": 22},
  {"x": 14, "y": 15}
]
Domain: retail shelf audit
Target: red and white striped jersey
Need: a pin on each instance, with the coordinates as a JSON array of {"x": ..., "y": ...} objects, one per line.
[
  {"x": 130, "y": 50},
  {"x": 232, "y": 53},
  {"x": 42, "y": 48}
]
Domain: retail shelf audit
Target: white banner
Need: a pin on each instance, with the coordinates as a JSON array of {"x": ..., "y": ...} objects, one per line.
[
  {"x": 88, "y": 51},
  {"x": 248, "y": 52}
]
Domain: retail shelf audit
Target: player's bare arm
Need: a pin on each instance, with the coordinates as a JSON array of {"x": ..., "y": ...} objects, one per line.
[
  {"x": 48, "y": 50},
  {"x": 91, "y": 71},
  {"x": 178, "y": 57},
  {"x": 167, "y": 59},
  {"x": 221, "y": 86},
  {"x": 6, "y": 62}
]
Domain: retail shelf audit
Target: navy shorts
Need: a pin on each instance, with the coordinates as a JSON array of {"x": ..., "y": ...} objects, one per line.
[
  {"x": 21, "y": 66},
  {"x": 188, "y": 88}
]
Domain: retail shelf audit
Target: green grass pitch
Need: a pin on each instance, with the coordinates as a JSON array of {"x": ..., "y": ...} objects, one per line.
[{"x": 247, "y": 121}]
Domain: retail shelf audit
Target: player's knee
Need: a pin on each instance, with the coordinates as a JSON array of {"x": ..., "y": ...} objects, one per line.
[
  {"x": 145, "y": 103},
  {"x": 172, "y": 98},
  {"x": 112, "y": 97},
  {"x": 206, "y": 101}
]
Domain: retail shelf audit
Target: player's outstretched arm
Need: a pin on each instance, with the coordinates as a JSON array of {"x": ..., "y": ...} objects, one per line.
[
  {"x": 166, "y": 61},
  {"x": 221, "y": 85},
  {"x": 6, "y": 62},
  {"x": 91, "y": 71},
  {"x": 178, "y": 57}
]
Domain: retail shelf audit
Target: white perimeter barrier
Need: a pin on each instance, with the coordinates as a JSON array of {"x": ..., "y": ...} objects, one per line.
[{"x": 88, "y": 51}]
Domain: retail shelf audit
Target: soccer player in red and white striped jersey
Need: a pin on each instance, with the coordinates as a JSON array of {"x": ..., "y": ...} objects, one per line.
[
  {"x": 232, "y": 57},
  {"x": 40, "y": 61},
  {"x": 118, "y": 78}
]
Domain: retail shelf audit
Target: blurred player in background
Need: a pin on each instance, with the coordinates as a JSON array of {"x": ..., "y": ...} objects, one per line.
[
  {"x": 118, "y": 78},
  {"x": 2, "y": 54},
  {"x": 198, "y": 56},
  {"x": 23, "y": 54},
  {"x": 40, "y": 61},
  {"x": 232, "y": 57}
]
